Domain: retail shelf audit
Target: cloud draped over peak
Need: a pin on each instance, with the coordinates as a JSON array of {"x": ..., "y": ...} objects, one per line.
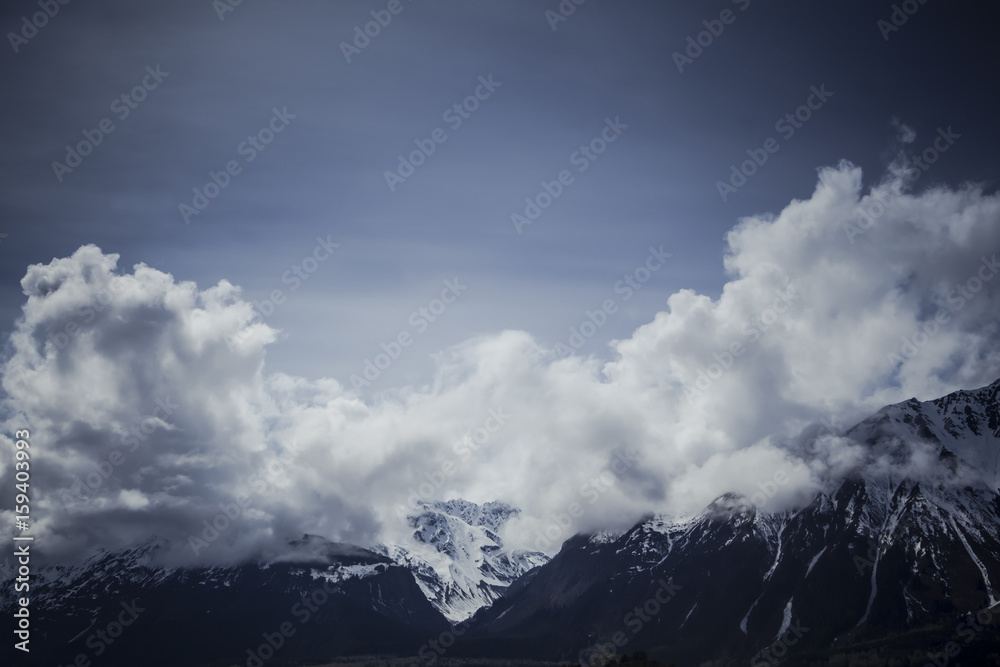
[{"x": 152, "y": 410}]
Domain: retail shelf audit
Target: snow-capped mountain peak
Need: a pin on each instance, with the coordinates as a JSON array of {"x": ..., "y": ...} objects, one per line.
[
  {"x": 457, "y": 556},
  {"x": 964, "y": 424}
]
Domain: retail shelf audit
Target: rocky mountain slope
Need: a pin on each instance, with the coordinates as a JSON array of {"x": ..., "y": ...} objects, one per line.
[
  {"x": 878, "y": 555},
  {"x": 457, "y": 556},
  {"x": 121, "y": 609}
]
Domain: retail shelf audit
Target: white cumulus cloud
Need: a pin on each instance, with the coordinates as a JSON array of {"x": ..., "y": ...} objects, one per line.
[{"x": 152, "y": 410}]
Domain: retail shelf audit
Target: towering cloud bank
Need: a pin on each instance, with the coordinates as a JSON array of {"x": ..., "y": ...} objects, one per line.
[{"x": 153, "y": 412}]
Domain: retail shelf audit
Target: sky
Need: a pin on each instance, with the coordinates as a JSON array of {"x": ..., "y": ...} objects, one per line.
[{"x": 358, "y": 245}]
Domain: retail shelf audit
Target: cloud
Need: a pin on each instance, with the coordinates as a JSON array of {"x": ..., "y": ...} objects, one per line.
[
  {"x": 152, "y": 410},
  {"x": 904, "y": 133}
]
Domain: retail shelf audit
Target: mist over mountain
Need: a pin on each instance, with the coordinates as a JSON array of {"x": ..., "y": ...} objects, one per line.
[
  {"x": 902, "y": 549},
  {"x": 900, "y": 554}
]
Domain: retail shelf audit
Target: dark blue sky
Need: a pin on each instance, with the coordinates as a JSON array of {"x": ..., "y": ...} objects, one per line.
[{"x": 323, "y": 176}]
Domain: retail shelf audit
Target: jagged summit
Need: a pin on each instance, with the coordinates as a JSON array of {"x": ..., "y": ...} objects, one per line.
[
  {"x": 965, "y": 424},
  {"x": 458, "y": 557}
]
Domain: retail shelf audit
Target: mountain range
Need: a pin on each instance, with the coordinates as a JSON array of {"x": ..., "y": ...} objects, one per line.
[{"x": 895, "y": 562}]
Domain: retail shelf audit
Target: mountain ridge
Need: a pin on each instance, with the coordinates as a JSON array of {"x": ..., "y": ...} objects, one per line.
[
  {"x": 875, "y": 554},
  {"x": 901, "y": 552}
]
